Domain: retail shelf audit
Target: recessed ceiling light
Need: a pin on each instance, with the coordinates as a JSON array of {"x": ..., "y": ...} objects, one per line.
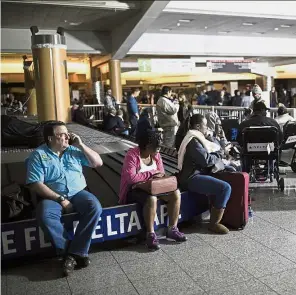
[
  {"x": 224, "y": 32},
  {"x": 286, "y": 26},
  {"x": 185, "y": 20},
  {"x": 206, "y": 28},
  {"x": 75, "y": 24},
  {"x": 248, "y": 24},
  {"x": 165, "y": 30},
  {"x": 276, "y": 29},
  {"x": 178, "y": 24}
]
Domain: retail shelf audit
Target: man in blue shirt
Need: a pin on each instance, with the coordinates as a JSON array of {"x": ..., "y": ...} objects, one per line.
[
  {"x": 54, "y": 172},
  {"x": 133, "y": 110}
]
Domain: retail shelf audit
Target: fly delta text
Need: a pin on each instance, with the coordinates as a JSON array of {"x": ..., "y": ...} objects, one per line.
[{"x": 28, "y": 237}]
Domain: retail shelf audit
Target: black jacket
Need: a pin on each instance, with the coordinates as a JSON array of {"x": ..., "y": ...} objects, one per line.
[
  {"x": 114, "y": 124},
  {"x": 257, "y": 120},
  {"x": 196, "y": 160}
]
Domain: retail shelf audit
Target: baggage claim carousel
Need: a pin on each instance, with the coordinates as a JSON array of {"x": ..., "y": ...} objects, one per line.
[{"x": 24, "y": 237}]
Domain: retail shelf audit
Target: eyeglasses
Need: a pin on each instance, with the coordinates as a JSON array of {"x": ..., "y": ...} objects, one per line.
[{"x": 60, "y": 135}]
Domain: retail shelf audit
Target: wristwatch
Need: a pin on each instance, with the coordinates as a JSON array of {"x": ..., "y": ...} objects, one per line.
[{"x": 60, "y": 199}]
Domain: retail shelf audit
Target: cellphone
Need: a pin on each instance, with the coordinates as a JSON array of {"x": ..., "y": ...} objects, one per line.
[{"x": 70, "y": 139}]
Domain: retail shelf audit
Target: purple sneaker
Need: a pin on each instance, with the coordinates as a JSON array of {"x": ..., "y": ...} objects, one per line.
[
  {"x": 152, "y": 242},
  {"x": 174, "y": 234}
]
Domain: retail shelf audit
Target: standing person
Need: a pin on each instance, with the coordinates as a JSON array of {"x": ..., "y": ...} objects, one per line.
[
  {"x": 140, "y": 164},
  {"x": 284, "y": 98},
  {"x": 183, "y": 109},
  {"x": 273, "y": 98},
  {"x": 133, "y": 110},
  {"x": 237, "y": 99},
  {"x": 202, "y": 98},
  {"x": 283, "y": 116},
  {"x": 257, "y": 94},
  {"x": 225, "y": 97},
  {"x": 167, "y": 112},
  {"x": 54, "y": 172},
  {"x": 247, "y": 99},
  {"x": 109, "y": 102}
]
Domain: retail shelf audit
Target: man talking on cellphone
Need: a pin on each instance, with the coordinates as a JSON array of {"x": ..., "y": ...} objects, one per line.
[{"x": 54, "y": 172}]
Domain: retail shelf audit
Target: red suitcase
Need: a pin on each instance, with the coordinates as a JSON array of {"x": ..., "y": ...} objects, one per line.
[{"x": 237, "y": 209}]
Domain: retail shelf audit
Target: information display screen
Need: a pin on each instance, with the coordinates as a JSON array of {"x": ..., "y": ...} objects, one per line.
[{"x": 230, "y": 66}]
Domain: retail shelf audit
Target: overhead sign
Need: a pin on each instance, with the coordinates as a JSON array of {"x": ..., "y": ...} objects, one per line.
[
  {"x": 230, "y": 66},
  {"x": 165, "y": 65},
  {"x": 144, "y": 65}
]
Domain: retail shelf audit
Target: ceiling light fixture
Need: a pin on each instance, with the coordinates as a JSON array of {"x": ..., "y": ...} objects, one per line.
[
  {"x": 178, "y": 24},
  {"x": 165, "y": 30},
  {"x": 276, "y": 29},
  {"x": 257, "y": 33},
  {"x": 75, "y": 24},
  {"x": 224, "y": 32},
  {"x": 286, "y": 26},
  {"x": 206, "y": 28},
  {"x": 185, "y": 20},
  {"x": 248, "y": 24}
]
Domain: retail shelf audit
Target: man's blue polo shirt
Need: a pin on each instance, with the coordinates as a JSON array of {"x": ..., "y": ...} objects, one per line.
[{"x": 61, "y": 174}]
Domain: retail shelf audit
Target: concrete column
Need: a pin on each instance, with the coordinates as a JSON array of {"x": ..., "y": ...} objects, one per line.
[
  {"x": 115, "y": 79},
  {"x": 30, "y": 88},
  {"x": 51, "y": 77}
]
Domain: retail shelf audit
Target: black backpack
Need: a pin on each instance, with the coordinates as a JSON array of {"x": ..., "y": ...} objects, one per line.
[{"x": 20, "y": 133}]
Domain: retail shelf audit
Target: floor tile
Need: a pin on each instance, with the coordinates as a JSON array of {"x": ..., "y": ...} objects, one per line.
[
  {"x": 197, "y": 255},
  {"x": 283, "y": 283},
  {"x": 243, "y": 247},
  {"x": 265, "y": 263},
  {"x": 175, "y": 283},
  {"x": 126, "y": 289},
  {"x": 42, "y": 278},
  {"x": 156, "y": 266},
  {"x": 96, "y": 277},
  {"x": 216, "y": 274},
  {"x": 102, "y": 258},
  {"x": 135, "y": 252},
  {"x": 3, "y": 282},
  {"x": 251, "y": 286}
]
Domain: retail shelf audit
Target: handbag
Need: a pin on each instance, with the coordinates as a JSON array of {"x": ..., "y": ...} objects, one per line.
[
  {"x": 13, "y": 203},
  {"x": 157, "y": 186}
]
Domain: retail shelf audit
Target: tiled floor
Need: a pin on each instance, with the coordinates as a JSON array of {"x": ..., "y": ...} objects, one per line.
[{"x": 261, "y": 259}]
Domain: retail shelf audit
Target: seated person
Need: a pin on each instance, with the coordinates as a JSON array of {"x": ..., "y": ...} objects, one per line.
[
  {"x": 114, "y": 124},
  {"x": 54, "y": 173},
  {"x": 119, "y": 115},
  {"x": 197, "y": 159},
  {"x": 144, "y": 123},
  {"x": 79, "y": 116},
  {"x": 258, "y": 118},
  {"x": 141, "y": 164},
  {"x": 283, "y": 116}
]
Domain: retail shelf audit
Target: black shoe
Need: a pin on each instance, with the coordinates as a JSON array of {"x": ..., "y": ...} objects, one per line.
[
  {"x": 69, "y": 265},
  {"x": 82, "y": 261}
]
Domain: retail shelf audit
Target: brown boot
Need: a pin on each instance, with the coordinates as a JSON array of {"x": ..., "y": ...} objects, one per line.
[{"x": 215, "y": 225}]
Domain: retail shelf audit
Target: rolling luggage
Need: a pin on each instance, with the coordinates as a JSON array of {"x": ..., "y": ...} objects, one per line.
[{"x": 237, "y": 210}]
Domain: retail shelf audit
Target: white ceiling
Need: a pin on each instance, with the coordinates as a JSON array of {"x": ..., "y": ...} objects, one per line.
[{"x": 206, "y": 24}]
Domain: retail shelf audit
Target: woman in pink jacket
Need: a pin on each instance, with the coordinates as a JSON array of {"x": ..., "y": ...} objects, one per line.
[{"x": 141, "y": 164}]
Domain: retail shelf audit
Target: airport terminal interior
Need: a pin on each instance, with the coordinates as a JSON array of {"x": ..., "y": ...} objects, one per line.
[{"x": 175, "y": 121}]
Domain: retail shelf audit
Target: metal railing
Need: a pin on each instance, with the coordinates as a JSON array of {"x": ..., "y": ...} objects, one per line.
[
  {"x": 222, "y": 111},
  {"x": 95, "y": 110}
]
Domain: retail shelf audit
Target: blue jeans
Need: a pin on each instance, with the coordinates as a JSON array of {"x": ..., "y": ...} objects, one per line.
[
  {"x": 208, "y": 185},
  {"x": 49, "y": 217}
]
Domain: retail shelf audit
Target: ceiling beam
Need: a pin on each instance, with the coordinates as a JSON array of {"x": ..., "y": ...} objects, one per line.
[
  {"x": 282, "y": 62},
  {"x": 126, "y": 35},
  {"x": 99, "y": 60}
]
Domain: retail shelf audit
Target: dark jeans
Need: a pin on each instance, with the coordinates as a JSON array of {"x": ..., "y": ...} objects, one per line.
[{"x": 133, "y": 121}]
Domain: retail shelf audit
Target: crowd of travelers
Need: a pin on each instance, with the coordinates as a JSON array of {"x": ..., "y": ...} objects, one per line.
[{"x": 55, "y": 169}]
